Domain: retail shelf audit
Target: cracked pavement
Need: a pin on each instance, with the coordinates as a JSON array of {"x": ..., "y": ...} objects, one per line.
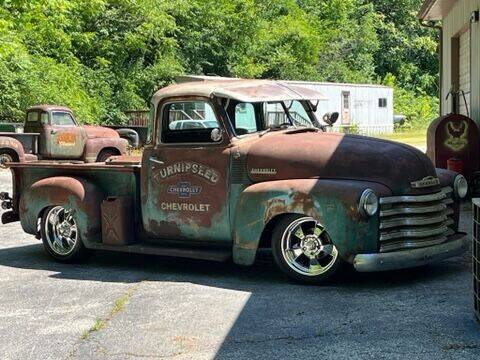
[{"x": 186, "y": 309}]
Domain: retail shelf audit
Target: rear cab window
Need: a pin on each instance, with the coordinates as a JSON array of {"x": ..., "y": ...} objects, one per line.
[
  {"x": 33, "y": 116},
  {"x": 37, "y": 116}
]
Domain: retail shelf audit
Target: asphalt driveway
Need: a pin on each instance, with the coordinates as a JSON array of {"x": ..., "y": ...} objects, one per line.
[{"x": 120, "y": 306}]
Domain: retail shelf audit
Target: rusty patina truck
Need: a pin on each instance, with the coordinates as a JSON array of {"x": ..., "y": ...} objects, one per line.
[
  {"x": 51, "y": 132},
  {"x": 249, "y": 177}
]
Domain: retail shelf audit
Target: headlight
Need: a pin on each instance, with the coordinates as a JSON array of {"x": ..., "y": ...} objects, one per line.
[
  {"x": 368, "y": 204},
  {"x": 460, "y": 186}
]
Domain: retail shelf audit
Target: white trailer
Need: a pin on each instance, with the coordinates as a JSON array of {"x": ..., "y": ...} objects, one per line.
[{"x": 362, "y": 107}]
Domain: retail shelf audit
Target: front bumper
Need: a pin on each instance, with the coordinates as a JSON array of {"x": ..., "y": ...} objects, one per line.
[{"x": 411, "y": 258}]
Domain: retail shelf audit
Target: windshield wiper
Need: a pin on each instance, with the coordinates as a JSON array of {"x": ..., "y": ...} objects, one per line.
[{"x": 281, "y": 126}]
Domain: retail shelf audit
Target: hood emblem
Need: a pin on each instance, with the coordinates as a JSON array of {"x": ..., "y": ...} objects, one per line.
[
  {"x": 263, "y": 171},
  {"x": 425, "y": 182}
]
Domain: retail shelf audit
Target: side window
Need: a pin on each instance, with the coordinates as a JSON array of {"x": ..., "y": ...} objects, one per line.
[
  {"x": 274, "y": 114},
  {"x": 245, "y": 119},
  {"x": 62, "y": 118},
  {"x": 188, "y": 122}
]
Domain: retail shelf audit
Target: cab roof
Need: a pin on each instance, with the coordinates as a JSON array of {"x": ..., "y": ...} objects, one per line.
[
  {"x": 242, "y": 90},
  {"x": 48, "y": 107}
]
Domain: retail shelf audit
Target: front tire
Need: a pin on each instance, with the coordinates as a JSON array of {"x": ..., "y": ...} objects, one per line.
[
  {"x": 303, "y": 250},
  {"x": 61, "y": 235},
  {"x": 105, "y": 155}
]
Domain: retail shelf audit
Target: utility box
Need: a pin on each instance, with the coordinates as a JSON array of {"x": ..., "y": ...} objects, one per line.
[
  {"x": 453, "y": 143},
  {"x": 117, "y": 221},
  {"x": 476, "y": 257}
]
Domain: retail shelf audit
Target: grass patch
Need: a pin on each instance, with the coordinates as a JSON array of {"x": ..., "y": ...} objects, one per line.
[
  {"x": 417, "y": 137},
  {"x": 97, "y": 325},
  {"x": 117, "y": 307}
]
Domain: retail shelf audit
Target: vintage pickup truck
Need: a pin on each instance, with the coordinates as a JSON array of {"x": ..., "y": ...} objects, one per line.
[
  {"x": 248, "y": 180},
  {"x": 51, "y": 132}
]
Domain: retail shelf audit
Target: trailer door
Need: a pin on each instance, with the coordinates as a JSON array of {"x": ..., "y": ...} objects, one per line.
[{"x": 346, "y": 116}]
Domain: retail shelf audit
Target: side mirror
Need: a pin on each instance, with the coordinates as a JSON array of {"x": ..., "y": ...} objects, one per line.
[
  {"x": 331, "y": 118},
  {"x": 216, "y": 135}
]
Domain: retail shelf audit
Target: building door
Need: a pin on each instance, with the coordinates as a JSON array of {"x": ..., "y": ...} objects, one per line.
[
  {"x": 464, "y": 74},
  {"x": 346, "y": 116}
]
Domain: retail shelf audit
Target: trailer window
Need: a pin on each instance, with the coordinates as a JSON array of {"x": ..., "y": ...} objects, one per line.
[
  {"x": 188, "y": 122},
  {"x": 382, "y": 102}
]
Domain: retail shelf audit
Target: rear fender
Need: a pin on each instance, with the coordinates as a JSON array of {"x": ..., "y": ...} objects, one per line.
[
  {"x": 95, "y": 145},
  {"x": 334, "y": 203},
  {"x": 14, "y": 146},
  {"x": 75, "y": 193}
]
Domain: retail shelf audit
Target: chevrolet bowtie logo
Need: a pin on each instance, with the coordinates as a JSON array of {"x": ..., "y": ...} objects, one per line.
[{"x": 425, "y": 182}]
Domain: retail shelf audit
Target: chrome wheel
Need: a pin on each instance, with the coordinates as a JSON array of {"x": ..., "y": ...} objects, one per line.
[
  {"x": 307, "y": 248},
  {"x": 61, "y": 230}
]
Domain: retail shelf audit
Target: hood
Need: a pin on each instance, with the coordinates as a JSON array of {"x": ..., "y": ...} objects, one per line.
[
  {"x": 294, "y": 154},
  {"x": 99, "y": 132}
]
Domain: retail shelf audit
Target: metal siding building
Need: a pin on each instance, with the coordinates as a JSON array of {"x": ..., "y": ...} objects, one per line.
[
  {"x": 460, "y": 51},
  {"x": 366, "y": 107}
]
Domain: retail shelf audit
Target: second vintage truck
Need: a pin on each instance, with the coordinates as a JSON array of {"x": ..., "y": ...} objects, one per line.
[
  {"x": 251, "y": 178},
  {"x": 51, "y": 132}
]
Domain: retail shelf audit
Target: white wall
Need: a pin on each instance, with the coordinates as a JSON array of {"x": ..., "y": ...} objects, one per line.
[
  {"x": 456, "y": 23},
  {"x": 364, "y": 109}
]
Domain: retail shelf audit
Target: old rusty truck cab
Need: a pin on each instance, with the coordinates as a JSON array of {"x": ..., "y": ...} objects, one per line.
[
  {"x": 254, "y": 175},
  {"x": 51, "y": 132}
]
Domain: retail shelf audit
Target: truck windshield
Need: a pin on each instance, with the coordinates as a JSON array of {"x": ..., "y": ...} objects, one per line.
[{"x": 248, "y": 118}]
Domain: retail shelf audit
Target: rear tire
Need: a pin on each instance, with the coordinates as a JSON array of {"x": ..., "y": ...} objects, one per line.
[
  {"x": 61, "y": 235},
  {"x": 5, "y": 158},
  {"x": 105, "y": 154},
  {"x": 303, "y": 250}
]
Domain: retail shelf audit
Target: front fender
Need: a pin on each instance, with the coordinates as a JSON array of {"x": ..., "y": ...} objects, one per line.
[
  {"x": 95, "y": 145},
  {"x": 72, "y": 192},
  {"x": 332, "y": 202}
]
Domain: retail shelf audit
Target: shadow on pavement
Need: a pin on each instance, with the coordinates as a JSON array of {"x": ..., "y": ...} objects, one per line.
[
  {"x": 127, "y": 268},
  {"x": 394, "y": 309}
]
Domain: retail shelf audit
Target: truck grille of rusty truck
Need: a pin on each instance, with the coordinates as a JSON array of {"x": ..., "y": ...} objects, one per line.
[
  {"x": 476, "y": 257},
  {"x": 409, "y": 222}
]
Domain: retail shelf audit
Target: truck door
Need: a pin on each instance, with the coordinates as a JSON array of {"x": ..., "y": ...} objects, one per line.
[
  {"x": 64, "y": 139},
  {"x": 185, "y": 176}
]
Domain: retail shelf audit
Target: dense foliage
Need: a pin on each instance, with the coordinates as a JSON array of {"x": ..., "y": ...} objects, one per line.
[{"x": 102, "y": 57}]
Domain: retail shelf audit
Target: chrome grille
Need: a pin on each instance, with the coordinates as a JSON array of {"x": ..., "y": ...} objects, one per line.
[
  {"x": 476, "y": 256},
  {"x": 408, "y": 222}
]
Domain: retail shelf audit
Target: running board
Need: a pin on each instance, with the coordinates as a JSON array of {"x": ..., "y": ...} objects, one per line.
[{"x": 183, "y": 252}]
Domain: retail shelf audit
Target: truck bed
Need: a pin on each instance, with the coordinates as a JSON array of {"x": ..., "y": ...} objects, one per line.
[
  {"x": 113, "y": 179},
  {"x": 115, "y": 163},
  {"x": 28, "y": 140}
]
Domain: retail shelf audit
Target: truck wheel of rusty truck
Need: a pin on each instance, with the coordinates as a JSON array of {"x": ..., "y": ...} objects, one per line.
[
  {"x": 105, "y": 154},
  {"x": 5, "y": 158},
  {"x": 61, "y": 236},
  {"x": 303, "y": 250}
]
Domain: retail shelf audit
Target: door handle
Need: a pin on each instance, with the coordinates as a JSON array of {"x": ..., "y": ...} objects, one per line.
[
  {"x": 53, "y": 132},
  {"x": 155, "y": 160}
]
